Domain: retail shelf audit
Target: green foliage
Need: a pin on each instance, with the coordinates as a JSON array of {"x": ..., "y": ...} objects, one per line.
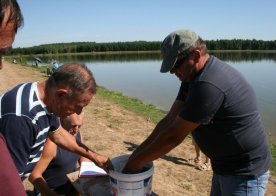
[
  {"x": 148, "y": 111},
  {"x": 90, "y": 47},
  {"x": 80, "y": 47},
  {"x": 239, "y": 44}
]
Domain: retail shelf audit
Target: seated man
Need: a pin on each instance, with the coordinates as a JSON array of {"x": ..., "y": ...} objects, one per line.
[{"x": 49, "y": 175}]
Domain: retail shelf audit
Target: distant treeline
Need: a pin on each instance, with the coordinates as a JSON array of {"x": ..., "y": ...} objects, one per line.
[{"x": 79, "y": 47}]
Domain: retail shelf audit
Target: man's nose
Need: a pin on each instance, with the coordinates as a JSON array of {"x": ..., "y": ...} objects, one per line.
[{"x": 172, "y": 71}]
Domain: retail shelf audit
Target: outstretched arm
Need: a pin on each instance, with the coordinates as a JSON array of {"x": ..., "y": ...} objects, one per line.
[
  {"x": 161, "y": 126},
  {"x": 168, "y": 139},
  {"x": 65, "y": 140}
]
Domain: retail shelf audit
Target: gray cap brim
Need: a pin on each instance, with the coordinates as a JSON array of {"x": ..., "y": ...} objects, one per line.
[{"x": 168, "y": 62}]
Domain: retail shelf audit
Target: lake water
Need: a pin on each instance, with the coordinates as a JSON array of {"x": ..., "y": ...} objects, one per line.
[{"x": 138, "y": 76}]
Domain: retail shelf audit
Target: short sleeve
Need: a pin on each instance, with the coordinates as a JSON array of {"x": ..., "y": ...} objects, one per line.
[
  {"x": 54, "y": 123},
  {"x": 202, "y": 102},
  {"x": 183, "y": 90},
  {"x": 20, "y": 135}
]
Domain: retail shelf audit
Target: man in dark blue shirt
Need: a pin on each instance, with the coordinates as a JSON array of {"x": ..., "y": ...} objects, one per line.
[
  {"x": 218, "y": 106},
  {"x": 29, "y": 115}
]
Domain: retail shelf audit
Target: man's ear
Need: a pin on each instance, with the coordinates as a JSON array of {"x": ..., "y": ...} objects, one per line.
[
  {"x": 196, "y": 54},
  {"x": 61, "y": 93}
]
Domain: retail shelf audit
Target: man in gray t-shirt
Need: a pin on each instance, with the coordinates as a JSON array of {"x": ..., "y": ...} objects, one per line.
[
  {"x": 218, "y": 106},
  {"x": 230, "y": 130}
]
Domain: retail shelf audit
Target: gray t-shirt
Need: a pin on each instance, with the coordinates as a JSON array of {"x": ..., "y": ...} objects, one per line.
[{"x": 231, "y": 132}]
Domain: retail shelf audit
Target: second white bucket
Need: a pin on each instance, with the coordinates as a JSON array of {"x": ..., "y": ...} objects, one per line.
[{"x": 130, "y": 184}]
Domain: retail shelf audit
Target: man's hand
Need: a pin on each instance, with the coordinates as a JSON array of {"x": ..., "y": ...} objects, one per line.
[
  {"x": 132, "y": 167},
  {"x": 102, "y": 161}
]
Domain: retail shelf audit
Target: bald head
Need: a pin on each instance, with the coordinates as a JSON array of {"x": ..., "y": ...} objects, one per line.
[
  {"x": 73, "y": 76},
  {"x": 72, "y": 123}
]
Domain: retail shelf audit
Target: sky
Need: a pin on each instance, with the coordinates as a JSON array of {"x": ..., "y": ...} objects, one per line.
[{"x": 63, "y": 21}]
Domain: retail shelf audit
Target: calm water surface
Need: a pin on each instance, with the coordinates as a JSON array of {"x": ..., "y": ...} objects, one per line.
[{"x": 139, "y": 77}]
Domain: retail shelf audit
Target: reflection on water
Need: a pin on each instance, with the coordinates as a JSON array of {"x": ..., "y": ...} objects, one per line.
[
  {"x": 251, "y": 56},
  {"x": 112, "y": 57},
  {"x": 137, "y": 75},
  {"x": 235, "y": 56}
]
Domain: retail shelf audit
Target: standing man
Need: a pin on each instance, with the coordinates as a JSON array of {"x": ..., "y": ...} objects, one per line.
[
  {"x": 218, "y": 106},
  {"x": 29, "y": 114},
  {"x": 10, "y": 20},
  {"x": 49, "y": 174}
]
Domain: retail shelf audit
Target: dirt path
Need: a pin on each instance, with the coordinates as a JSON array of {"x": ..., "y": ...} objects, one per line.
[{"x": 113, "y": 131}]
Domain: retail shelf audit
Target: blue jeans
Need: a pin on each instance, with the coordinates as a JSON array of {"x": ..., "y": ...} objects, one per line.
[{"x": 239, "y": 185}]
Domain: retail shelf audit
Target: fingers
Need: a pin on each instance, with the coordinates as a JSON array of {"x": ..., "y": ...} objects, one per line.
[
  {"x": 108, "y": 166},
  {"x": 105, "y": 163}
]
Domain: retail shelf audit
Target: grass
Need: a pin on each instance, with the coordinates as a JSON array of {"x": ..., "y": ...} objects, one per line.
[
  {"x": 150, "y": 112},
  {"x": 23, "y": 62},
  {"x": 273, "y": 152},
  {"x": 186, "y": 186}
]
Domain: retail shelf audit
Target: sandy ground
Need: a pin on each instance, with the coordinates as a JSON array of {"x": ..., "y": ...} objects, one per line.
[{"x": 113, "y": 131}]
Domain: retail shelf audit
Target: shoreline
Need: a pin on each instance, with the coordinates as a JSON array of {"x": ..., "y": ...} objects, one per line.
[{"x": 113, "y": 130}]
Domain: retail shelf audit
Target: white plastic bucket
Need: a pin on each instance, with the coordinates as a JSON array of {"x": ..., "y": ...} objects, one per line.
[{"x": 130, "y": 184}]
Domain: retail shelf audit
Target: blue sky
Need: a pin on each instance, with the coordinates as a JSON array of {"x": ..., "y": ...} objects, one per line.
[{"x": 56, "y": 21}]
